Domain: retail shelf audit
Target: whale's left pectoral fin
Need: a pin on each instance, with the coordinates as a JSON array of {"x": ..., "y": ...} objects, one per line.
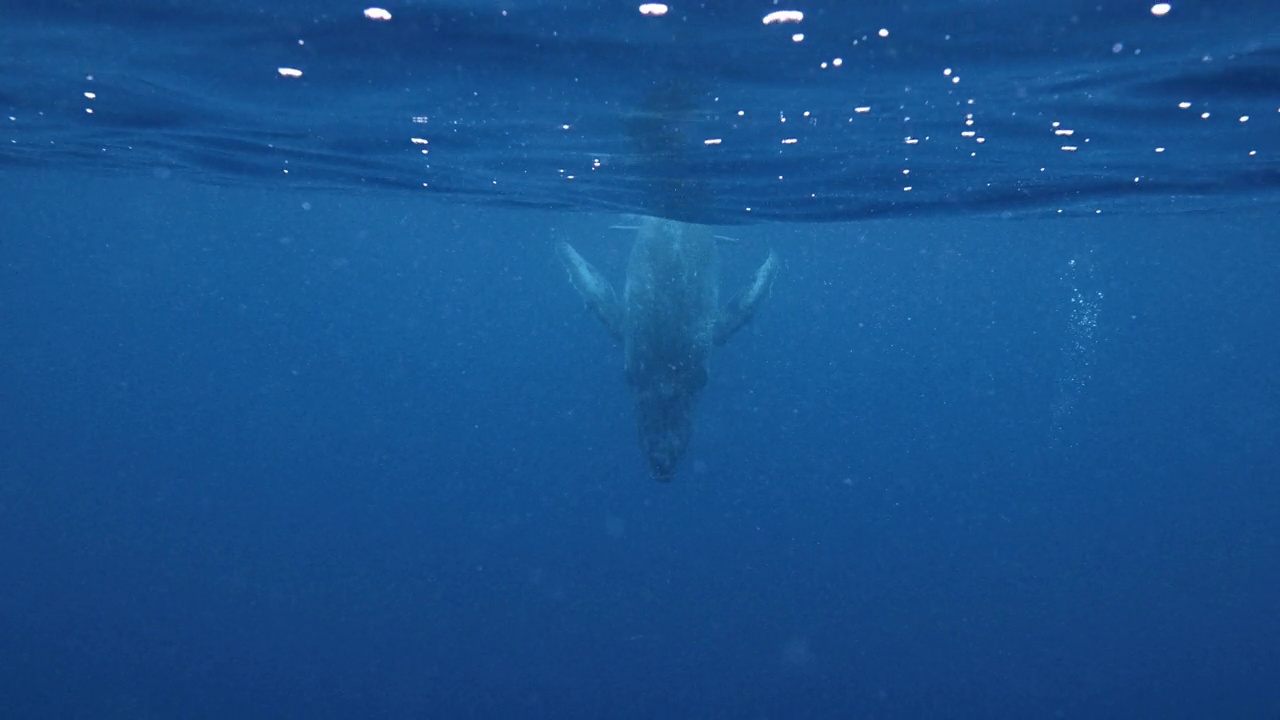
[
  {"x": 593, "y": 287},
  {"x": 743, "y": 306}
]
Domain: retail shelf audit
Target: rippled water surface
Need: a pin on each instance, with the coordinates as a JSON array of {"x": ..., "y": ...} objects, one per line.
[{"x": 705, "y": 112}]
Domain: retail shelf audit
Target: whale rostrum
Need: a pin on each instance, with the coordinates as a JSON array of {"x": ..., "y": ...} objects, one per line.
[{"x": 669, "y": 318}]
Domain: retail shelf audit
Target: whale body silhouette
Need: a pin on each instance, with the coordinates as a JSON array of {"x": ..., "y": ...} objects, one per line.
[{"x": 669, "y": 318}]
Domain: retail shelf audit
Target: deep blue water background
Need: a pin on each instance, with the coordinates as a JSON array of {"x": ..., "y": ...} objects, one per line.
[
  {"x": 319, "y": 445},
  {"x": 374, "y": 459}
]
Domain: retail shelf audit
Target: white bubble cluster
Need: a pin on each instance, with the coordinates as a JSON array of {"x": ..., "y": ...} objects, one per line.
[{"x": 1079, "y": 346}]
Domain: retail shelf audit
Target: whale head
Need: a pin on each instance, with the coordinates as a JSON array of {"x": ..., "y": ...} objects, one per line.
[{"x": 665, "y": 410}]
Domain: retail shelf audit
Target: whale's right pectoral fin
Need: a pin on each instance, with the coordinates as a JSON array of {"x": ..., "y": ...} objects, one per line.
[
  {"x": 593, "y": 287},
  {"x": 743, "y": 306}
]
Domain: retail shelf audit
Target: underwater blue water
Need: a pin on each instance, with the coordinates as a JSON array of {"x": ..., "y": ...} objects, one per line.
[{"x": 301, "y": 421}]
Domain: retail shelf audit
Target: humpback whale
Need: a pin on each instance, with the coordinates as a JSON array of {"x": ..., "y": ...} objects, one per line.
[{"x": 669, "y": 318}]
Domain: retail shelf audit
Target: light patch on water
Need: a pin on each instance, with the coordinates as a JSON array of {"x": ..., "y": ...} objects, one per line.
[
  {"x": 615, "y": 527},
  {"x": 783, "y": 16},
  {"x": 797, "y": 651}
]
